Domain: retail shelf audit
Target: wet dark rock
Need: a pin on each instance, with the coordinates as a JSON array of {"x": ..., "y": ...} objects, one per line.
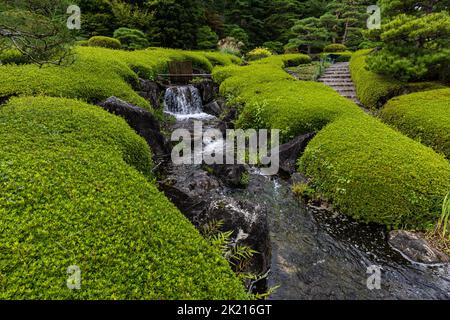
[
  {"x": 192, "y": 192},
  {"x": 151, "y": 91},
  {"x": 208, "y": 90},
  {"x": 142, "y": 121},
  {"x": 202, "y": 198},
  {"x": 229, "y": 116},
  {"x": 232, "y": 175},
  {"x": 214, "y": 108},
  {"x": 299, "y": 178},
  {"x": 291, "y": 152},
  {"x": 416, "y": 248},
  {"x": 248, "y": 221}
]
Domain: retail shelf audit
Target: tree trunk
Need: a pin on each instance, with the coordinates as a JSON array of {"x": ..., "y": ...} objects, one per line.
[{"x": 345, "y": 36}]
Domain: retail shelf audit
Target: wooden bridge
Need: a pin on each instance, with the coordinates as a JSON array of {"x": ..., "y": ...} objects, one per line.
[{"x": 182, "y": 72}]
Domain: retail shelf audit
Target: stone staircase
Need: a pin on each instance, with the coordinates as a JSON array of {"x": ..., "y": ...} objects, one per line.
[{"x": 339, "y": 79}]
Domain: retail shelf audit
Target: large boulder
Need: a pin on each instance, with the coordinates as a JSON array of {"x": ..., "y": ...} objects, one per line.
[
  {"x": 248, "y": 221},
  {"x": 143, "y": 122},
  {"x": 215, "y": 108},
  {"x": 416, "y": 248},
  {"x": 232, "y": 175},
  {"x": 208, "y": 90},
  {"x": 151, "y": 91},
  {"x": 292, "y": 151},
  {"x": 202, "y": 198}
]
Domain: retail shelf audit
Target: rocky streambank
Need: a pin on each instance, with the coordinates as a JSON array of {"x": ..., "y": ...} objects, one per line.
[{"x": 310, "y": 251}]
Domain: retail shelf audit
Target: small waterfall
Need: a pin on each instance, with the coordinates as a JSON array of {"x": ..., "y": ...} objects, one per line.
[{"x": 183, "y": 100}]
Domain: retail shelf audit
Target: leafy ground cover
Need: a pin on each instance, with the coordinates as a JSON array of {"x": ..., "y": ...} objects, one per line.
[
  {"x": 424, "y": 116},
  {"x": 365, "y": 168},
  {"x": 77, "y": 190},
  {"x": 99, "y": 73},
  {"x": 375, "y": 90}
]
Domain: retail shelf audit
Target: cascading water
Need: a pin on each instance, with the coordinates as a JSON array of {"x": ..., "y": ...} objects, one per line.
[
  {"x": 315, "y": 255},
  {"x": 184, "y": 102}
]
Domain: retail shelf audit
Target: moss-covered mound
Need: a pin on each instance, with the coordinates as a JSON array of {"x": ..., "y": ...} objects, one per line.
[
  {"x": 273, "y": 99},
  {"x": 423, "y": 116},
  {"x": 375, "y": 90},
  {"x": 368, "y": 170},
  {"x": 376, "y": 174},
  {"x": 99, "y": 73},
  {"x": 76, "y": 189}
]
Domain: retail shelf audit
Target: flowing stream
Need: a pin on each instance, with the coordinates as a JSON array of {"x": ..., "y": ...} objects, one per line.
[{"x": 317, "y": 254}]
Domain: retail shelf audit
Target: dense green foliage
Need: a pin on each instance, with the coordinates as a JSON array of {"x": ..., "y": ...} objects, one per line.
[
  {"x": 342, "y": 22},
  {"x": 38, "y": 29},
  {"x": 99, "y": 73},
  {"x": 375, "y": 90},
  {"x": 131, "y": 39},
  {"x": 76, "y": 190},
  {"x": 424, "y": 116},
  {"x": 12, "y": 56},
  {"x": 365, "y": 168},
  {"x": 104, "y": 42},
  {"x": 376, "y": 174},
  {"x": 258, "y": 53},
  {"x": 206, "y": 38},
  {"x": 335, "y": 47},
  {"x": 392, "y": 8},
  {"x": 188, "y": 24},
  {"x": 273, "y": 99},
  {"x": 414, "y": 48},
  {"x": 344, "y": 56}
]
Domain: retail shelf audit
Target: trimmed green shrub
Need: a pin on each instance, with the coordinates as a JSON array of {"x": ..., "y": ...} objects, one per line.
[
  {"x": 82, "y": 43},
  {"x": 423, "y": 116},
  {"x": 375, "y": 90},
  {"x": 104, "y": 42},
  {"x": 335, "y": 47},
  {"x": 366, "y": 169},
  {"x": 273, "y": 99},
  {"x": 131, "y": 39},
  {"x": 221, "y": 59},
  {"x": 258, "y": 54},
  {"x": 76, "y": 190},
  {"x": 338, "y": 56},
  {"x": 99, "y": 73},
  {"x": 12, "y": 56},
  {"x": 375, "y": 174}
]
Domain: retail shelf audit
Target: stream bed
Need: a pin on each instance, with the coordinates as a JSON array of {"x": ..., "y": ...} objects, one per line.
[{"x": 317, "y": 254}]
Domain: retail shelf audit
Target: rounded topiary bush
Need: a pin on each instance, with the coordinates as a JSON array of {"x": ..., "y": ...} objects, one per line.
[
  {"x": 375, "y": 174},
  {"x": 77, "y": 191},
  {"x": 423, "y": 116},
  {"x": 82, "y": 43},
  {"x": 259, "y": 53},
  {"x": 131, "y": 39},
  {"x": 335, "y": 47},
  {"x": 105, "y": 42}
]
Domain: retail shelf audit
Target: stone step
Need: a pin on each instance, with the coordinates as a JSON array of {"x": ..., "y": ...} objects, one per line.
[
  {"x": 350, "y": 91},
  {"x": 338, "y": 70},
  {"x": 326, "y": 77},
  {"x": 344, "y": 86},
  {"x": 327, "y": 73},
  {"x": 334, "y": 81}
]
